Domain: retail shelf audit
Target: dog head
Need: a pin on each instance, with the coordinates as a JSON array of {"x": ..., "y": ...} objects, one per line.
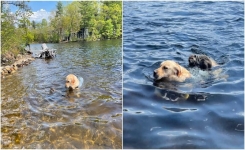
[
  {"x": 72, "y": 82},
  {"x": 201, "y": 61},
  {"x": 193, "y": 60},
  {"x": 168, "y": 70}
]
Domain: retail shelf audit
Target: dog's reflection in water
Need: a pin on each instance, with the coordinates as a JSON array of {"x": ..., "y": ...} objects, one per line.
[
  {"x": 166, "y": 91},
  {"x": 169, "y": 91},
  {"x": 72, "y": 94}
]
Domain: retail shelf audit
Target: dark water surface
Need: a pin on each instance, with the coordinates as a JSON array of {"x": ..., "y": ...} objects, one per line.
[
  {"x": 33, "y": 116},
  {"x": 206, "y": 111}
]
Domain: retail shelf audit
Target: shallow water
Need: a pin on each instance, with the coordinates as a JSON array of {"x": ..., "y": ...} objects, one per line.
[
  {"x": 38, "y": 112},
  {"x": 206, "y": 111}
]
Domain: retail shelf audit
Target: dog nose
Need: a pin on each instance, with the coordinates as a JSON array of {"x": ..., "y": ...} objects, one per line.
[
  {"x": 155, "y": 73},
  {"x": 70, "y": 88}
]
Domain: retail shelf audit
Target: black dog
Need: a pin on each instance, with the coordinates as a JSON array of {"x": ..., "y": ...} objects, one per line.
[{"x": 202, "y": 61}]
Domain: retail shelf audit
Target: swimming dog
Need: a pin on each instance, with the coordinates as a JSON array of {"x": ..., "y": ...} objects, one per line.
[
  {"x": 72, "y": 82},
  {"x": 171, "y": 71},
  {"x": 201, "y": 61}
]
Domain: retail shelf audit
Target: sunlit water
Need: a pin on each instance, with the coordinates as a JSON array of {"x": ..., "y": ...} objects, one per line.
[
  {"x": 38, "y": 112},
  {"x": 206, "y": 111}
]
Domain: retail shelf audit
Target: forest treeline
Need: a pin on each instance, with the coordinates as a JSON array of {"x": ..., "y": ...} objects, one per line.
[{"x": 79, "y": 20}]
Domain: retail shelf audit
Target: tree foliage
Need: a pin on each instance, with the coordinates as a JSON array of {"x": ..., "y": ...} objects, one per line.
[
  {"x": 15, "y": 33},
  {"x": 94, "y": 19},
  {"x": 72, "y": 19}
]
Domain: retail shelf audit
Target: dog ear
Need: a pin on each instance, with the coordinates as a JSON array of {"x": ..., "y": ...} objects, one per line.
[{"x": 178, "y": 70}]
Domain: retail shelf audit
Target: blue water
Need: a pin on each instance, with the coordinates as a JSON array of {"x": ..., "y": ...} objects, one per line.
[{"x": 204, "y": 112}]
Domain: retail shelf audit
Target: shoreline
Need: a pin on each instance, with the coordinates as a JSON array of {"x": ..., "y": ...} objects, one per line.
[
  {"x": 11, "y": 63},
  {"x": 16, "y": 63}
]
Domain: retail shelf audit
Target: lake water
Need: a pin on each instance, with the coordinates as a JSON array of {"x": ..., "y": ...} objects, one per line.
[
  {"x": 38, "y": 112},
  {"x": 205, "y": 112}
]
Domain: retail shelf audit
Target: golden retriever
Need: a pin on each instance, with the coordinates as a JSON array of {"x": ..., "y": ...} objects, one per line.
[
  {"x": 72, "y": 82},
  {"x": 201, "y": 61},
  {"x": 171, "y": 71}
]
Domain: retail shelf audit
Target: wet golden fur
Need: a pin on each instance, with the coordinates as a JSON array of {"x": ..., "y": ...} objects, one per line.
[
  {"x": 72, "y": 82},
  {"x": 171, "y": 71}
]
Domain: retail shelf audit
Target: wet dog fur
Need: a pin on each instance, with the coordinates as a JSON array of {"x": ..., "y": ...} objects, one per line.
[
  {"x": 171, "y": 71},
  {"x": 72, "y": 82},
  {"x": 201, "y": 61}
]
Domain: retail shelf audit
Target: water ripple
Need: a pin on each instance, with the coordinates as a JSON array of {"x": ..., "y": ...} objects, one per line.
[
  {"x": 206, "y": 110},
  {"x": 87, "y": 118}
]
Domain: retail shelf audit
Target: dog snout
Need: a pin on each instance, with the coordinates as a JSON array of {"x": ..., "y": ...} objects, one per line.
[
  {"x": 155, "y": 74},
  {"x": 192, "y": 61},
  {"x": 70, "y": 88},
  {"x": 191, "y": 58}
]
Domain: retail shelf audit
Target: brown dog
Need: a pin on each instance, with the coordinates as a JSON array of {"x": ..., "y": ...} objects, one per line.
[
  {"x": 171, "y": 71},
  {"x": 201, "y": 61},
  {"x": 72, "y": 82}
]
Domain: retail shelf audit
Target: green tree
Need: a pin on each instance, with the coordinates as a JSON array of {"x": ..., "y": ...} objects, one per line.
[
  {"x": 33, "y": 24},
  {"x": 112, "y": 10},
  {"x": 88, "y": 10},
  {"x": 44, "y": 23},
  {"x": 107, "y": 30},
  {"x": 72, "y": 18},
  {"x": 53, "y": 26},
  {"x": 59, "y": 19},
  {"x": 95, "y": 19},
  {"x": 15, "y": 24},
  {"x": 59, "y": 7}
]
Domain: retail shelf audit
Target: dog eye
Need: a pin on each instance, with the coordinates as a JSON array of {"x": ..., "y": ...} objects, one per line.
[
  {"x": 67, "y": 81},
  {"x": 164, "y": 67}
]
